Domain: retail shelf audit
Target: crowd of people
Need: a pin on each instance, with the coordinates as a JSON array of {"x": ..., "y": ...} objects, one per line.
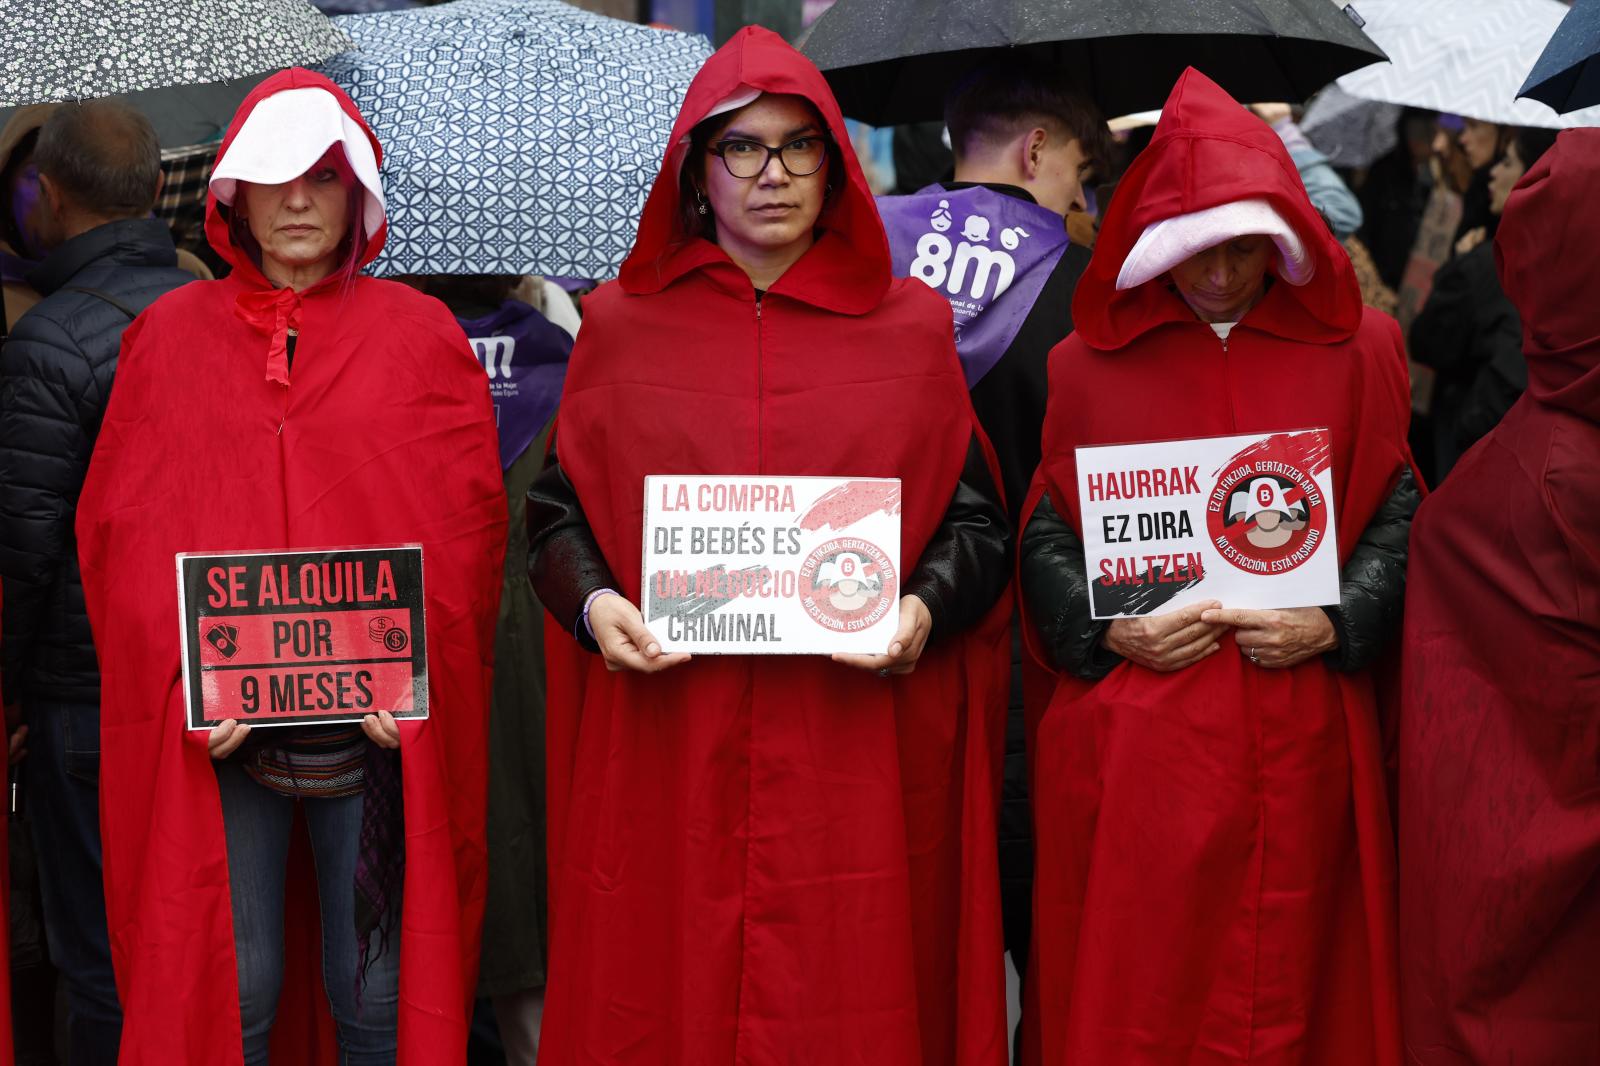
[{"x": 1364, "y": 832}]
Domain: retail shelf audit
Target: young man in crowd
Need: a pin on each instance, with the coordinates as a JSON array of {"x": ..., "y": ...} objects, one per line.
[{"x": 994, "y": 242}]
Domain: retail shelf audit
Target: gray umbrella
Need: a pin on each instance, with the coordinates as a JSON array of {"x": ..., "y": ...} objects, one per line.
[
  {"x": 75, "y": 49},
  {"x": 891, "y": 61}
]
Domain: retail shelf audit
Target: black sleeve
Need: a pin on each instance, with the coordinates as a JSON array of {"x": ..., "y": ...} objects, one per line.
[
  {"x": 1445, "y": 331},
  {"x": 1372, "y": 585},
  {"x": 1055, "y": 584},
  {"x": 46, "y": 388},
  {"x": 966, "y": 564},
  {"x": 565, "y": 563},
  {"x": 1501, "y": 379}
]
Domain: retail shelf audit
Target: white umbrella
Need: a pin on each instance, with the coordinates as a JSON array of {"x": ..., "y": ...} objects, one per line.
[
  {"x": 1465, "y": 57},
  {"x": 77, "y": 49}
]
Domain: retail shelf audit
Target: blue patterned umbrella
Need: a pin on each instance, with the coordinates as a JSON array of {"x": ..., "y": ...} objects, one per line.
[
  {"x": 519, "y": 136},
  {"x": 1567, "y": 76}
]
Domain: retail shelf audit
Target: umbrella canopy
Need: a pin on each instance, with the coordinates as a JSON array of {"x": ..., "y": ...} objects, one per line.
[
  {"x": 519, "y": 136},
  {"x": 185, "y": 115},
  {"x": 1567, "y": 76},
  {"x": 1466, "y": 57},
  {"x": 76, "y": 49},
  {"x": 891, "y": 61},
  {"x": 1351, "y": 131}
]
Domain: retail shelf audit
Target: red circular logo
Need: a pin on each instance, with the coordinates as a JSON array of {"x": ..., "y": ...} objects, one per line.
[
  {"x": 1267, "y": 516},
  {"x": 847, "y": 585}
]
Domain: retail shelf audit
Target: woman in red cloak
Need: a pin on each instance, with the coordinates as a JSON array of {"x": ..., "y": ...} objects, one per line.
[
  {"x": 765, "y": 859},
  {"x": 1215, "y": 866},
  {"x": 1500, "y": 731},
  {"x": 293, "y": 405}
]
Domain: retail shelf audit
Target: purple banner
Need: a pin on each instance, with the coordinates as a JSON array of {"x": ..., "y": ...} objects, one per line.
[
  {"x": 525, "y": 356},
  {"x": 989, "y": 254}
]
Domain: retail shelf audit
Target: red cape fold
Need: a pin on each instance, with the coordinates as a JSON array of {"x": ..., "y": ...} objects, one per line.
[
  {"x": 1500, "y": 735},
  {"x": 385, "y": 435},
  {"x": 1215, "y": 870},
  {"x": 771, "y": 859}
]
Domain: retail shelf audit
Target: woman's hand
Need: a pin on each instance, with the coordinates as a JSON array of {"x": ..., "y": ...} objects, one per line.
[
  {"x": 625, "y": 642},
  {"x": 1277, "y": 640},
  {"x": 905, "y": 647},
  {"x": 225, "y": 739},
  {"x": 1166, "y": 642},
  {"x": 1470, "y": 240},
  {"x": 382, "y": 729}
]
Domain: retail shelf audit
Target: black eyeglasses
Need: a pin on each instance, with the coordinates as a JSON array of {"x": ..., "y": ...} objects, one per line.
[{"x": 801, "y": 157}]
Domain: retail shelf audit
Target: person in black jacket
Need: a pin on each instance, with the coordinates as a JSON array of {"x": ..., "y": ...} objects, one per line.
[
  {"x": 99, "y": 171},
  {"x": 1468, "y": 331},
  {"x": 1025, "y": 134}
]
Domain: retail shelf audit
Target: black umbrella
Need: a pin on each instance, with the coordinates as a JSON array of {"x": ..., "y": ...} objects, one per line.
[
  {"x": 1567, "y": 76},
  {"x": 891, "y": 61}
]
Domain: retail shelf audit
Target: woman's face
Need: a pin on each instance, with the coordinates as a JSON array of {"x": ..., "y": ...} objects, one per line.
[
  {"x": 772, "y": 210},
  {"x": 1503, "y": 177},
  {"x": 1220, "y": 284},
  {"x": 301, "y": 223},
  {"x": 1479, "y": 140}
]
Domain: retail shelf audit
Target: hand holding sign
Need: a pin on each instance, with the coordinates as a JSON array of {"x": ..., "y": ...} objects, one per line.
[
  {"x": 905, "y": 647},
  {"x": 382, "y": 729},
  {"x": 1167, "y": 642},
  {"x": 224, "y": 740},
  {"x": 625, "y": 642},
  {"x": 1278, "y": 640}
]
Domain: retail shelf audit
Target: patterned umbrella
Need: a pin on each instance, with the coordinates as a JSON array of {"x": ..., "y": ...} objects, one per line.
[
  {"x": 1466, "y": 57},
  {"x": 519, "y": 136},
  {"x": 1567, "y": 76},
  {"x": 75, "y": 49}
]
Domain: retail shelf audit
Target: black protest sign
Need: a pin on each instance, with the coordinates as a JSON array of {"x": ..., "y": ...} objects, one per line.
[{"x": 299, "y": 638}]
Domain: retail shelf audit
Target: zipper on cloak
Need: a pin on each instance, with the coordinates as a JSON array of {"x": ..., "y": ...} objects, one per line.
[
  {"x": 1227, "y": 377},
  {"x": 761, "y": 463}
]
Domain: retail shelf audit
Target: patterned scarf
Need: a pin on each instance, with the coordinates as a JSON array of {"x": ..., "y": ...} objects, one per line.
[{"x": 380, "y": 858}]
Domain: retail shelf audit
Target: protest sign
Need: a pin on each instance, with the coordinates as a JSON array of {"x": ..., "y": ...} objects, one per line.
[
  {"x": 298, "y": 638},
  {"x": 1246, "y": 520},
  {"x": 771, "y": 565}
]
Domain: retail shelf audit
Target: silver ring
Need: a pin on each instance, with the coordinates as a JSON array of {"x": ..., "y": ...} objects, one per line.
[{"x": 884, "y": 672}]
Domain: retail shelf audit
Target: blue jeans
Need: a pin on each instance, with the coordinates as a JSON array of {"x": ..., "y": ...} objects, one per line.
[
  {"x": 62, "y": 778},
  {"x": 257, "y": 822}
]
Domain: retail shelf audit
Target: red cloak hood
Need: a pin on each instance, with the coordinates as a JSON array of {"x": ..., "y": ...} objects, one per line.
[
  {"x": 848, "y": 270},
  {"x": 1548, "y": 250},
  {"x": 217, "y": 213},
  {"x": 1208, "y": 150}
]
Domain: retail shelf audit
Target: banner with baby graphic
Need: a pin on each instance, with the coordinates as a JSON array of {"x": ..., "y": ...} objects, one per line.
[
  {"x": 989, "y": 254},
  {"x": 1246, "y": 520}
]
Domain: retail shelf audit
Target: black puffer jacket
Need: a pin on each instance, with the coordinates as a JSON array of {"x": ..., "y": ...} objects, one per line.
[
  {"x": 1372, "y": 589},
  {"x": 55, "y": 379}
]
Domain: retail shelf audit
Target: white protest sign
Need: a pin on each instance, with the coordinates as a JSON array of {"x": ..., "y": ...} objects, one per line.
[
  {"x": 1247, "y": 520},
  {"x": 747, "y": 565}
]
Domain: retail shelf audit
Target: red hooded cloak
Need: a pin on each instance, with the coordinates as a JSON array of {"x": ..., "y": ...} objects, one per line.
[
  {"x": 1215, "y": 869},
  {"x": 1500, "y": 731},
  {"x": 385, "y": 435},
  {"x": 771, "y": 859}
]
